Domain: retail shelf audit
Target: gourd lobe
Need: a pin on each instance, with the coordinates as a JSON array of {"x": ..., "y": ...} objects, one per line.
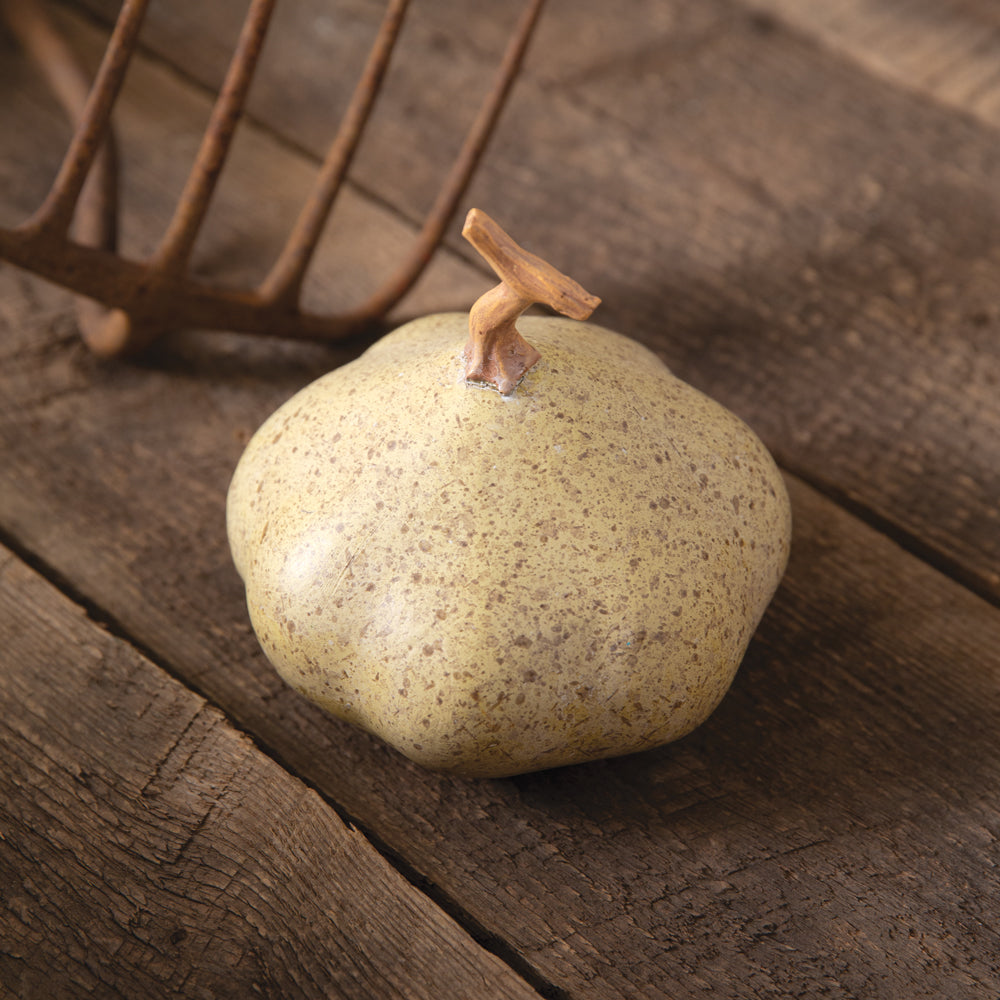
[{"x": 497, "y": 584}]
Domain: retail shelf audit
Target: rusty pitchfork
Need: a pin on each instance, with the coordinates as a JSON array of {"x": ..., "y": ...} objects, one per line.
[{"x": 71, "y": 238}]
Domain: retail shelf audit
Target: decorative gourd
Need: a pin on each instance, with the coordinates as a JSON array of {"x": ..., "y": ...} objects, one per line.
[{"x": 508, "y": 557}]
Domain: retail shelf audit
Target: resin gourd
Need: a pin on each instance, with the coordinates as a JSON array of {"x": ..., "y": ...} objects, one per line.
[{"x": 521, "y": 553}]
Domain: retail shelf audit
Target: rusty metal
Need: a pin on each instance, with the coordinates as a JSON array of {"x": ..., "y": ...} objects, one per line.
[{"x": 71, "y": 239}]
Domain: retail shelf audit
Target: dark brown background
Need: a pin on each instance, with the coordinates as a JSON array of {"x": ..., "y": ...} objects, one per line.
[{"x": 796, "y": 203}]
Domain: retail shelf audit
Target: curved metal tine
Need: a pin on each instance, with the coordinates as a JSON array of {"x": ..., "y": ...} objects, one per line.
[
  {"x": 96, "y": 219},
  {"x": 96, "y": 216},
  {"x": 283, "y": 285},
  {"x": 54, "y": 217},
  {"x": 178, "y": 241},
  {"x": 458, "y": 178}
]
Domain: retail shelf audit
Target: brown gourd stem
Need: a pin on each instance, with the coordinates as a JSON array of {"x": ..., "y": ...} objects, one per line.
[{"x": 496, "y": 353}]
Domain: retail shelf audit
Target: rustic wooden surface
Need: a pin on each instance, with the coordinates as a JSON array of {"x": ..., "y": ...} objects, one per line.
[{"x": 797, "y": 205}]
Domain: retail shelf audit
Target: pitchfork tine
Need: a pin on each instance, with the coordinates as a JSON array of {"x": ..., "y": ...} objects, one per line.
[
  {"x": 283, "y": 285},
  {"x": 175, "y": 249},
  {"x": 96, "y": 218},
  {"x": 458, "y": 179},
  {"x": 55, "y": 215}
]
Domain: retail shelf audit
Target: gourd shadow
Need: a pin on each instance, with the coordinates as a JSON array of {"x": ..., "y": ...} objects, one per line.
[{"x": 844, "y": 711}]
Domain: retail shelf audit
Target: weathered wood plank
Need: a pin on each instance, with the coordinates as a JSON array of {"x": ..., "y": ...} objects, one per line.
[
  {"x": 831, "y": 826},
  {"x": 810, "y": 244},
  {"x": 949, "y": 50},
  {"x": 148, "y": 849}
]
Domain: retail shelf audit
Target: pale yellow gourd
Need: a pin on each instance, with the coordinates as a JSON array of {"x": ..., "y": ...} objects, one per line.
[{"x": 499, "y": 583}]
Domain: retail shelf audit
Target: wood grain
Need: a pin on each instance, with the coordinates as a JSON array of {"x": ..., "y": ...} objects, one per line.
[
  {"x": 832, "y": 825},
  {"x": 782, "y": 224},
  {"x": 148, "y": 849},
  {"x": 948, "y": 50}
]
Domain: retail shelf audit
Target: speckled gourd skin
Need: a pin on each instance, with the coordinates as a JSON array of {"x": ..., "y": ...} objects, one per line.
[{"x": 494, "y": 584}]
